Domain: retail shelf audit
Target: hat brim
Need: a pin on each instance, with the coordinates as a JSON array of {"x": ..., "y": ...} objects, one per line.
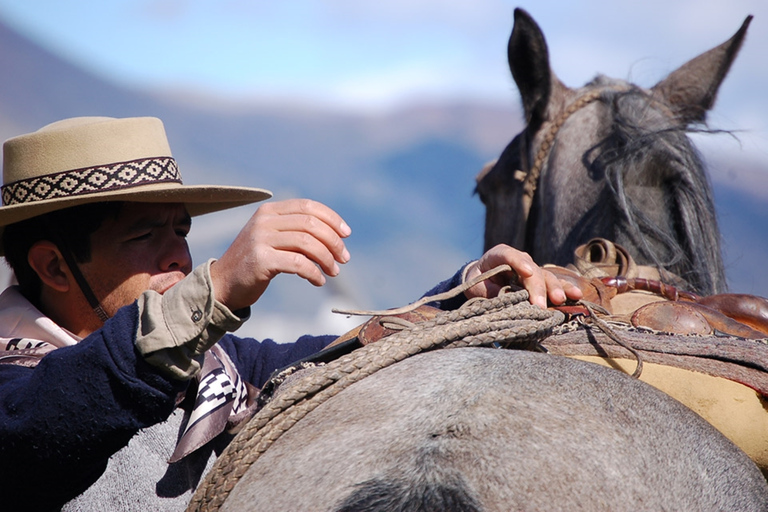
[{"x": 199, "y": 199}]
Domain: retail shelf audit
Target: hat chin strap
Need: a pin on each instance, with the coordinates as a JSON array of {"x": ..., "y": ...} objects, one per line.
[
  {"x": 69, "y": 259},
  {"x": 82, "y": 283}
]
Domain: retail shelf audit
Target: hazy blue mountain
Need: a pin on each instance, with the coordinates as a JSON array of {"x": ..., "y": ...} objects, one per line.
[
  {"x": 743, "y": 222},
  {"x": 403, "y": 179}
]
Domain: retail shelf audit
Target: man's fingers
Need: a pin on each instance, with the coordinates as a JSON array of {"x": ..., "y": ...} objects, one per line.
[
  {"x": 305, "y": 246},
  {"x": 310, "y": 208},
  {"x": 555, "y": 288},
  {"x": 287, "y": 262},
  {"x": 305, "y": 216},
  {"x": 541, "y": 284},
  {"x": 309, "y": 229},
  {"x": 572, "y": 291},
  {"x": 297, "y": 236},
  {"x": 536, "y": 285}
]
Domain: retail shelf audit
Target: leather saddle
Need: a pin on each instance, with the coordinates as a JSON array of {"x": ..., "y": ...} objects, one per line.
[{"x": 639, "y": 295}]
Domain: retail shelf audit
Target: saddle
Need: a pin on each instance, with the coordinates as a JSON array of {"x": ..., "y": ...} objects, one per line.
[
  {"x": 624, "y": 292},
  {"x": 634, "y": 294}
]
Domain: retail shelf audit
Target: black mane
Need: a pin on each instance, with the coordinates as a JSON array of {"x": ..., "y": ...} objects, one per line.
[{"x": 646, "y": 148}]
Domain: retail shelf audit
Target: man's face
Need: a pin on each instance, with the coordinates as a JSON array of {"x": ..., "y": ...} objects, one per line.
[{"x": 144, "y": 248}]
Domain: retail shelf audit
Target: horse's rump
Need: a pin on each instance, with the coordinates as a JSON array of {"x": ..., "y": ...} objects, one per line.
[{"x": 485, "y": 429}]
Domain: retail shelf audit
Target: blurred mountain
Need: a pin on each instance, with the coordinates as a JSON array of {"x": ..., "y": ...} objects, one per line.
[{"x": 402, "y": 179}]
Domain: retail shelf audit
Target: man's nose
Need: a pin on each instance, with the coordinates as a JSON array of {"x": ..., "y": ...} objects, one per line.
[{"x": 176, "y": 256}]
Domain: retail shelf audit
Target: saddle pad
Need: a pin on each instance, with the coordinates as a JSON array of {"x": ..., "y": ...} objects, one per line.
[{"x": 736, "y": 410}]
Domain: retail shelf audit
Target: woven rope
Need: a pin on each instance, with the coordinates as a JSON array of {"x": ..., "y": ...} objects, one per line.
[{"x": 505, "y": 320}]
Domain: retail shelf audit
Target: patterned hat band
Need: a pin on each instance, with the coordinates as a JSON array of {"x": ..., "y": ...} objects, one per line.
[{"x": 92, "y": 180}]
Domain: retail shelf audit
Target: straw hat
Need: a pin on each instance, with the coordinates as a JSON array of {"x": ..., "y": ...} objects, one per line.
[{"x": 94, "y": 159}]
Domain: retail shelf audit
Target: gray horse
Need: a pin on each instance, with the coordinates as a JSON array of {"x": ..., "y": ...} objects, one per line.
[
  {"x": 481, "y": 429},
  {"x": 609, "y": 160},
  {"x": 474, "y": 429}
]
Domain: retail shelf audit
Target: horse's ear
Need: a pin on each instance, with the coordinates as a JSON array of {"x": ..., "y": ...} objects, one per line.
[
  {"x": 529, "y": 62},
  {"x": 692, "y": 88}
]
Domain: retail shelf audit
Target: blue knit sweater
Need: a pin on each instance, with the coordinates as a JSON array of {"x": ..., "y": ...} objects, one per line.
[{"x": 62, "y": 420}]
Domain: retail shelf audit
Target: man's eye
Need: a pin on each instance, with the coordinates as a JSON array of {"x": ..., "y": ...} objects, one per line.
[{"x": 144, "y": 236}]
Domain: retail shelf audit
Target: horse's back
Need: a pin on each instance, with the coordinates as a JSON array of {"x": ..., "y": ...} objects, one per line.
[{"x": 486, "y": 430}]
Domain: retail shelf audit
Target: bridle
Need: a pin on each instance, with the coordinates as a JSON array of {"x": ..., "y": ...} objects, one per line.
[{"x": 530, "y": 179}]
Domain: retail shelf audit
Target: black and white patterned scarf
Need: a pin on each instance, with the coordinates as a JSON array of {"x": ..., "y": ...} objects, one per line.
[{"x": 223, "y": 402}]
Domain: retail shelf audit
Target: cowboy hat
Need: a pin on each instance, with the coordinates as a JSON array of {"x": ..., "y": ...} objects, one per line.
[{"x": 94, "y": 159}]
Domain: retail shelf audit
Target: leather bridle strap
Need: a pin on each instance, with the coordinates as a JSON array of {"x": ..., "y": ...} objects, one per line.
[{"x": 531, "y": 178}]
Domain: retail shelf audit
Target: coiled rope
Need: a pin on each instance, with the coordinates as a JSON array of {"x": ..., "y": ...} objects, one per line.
[{"x": 506, "y": 320}]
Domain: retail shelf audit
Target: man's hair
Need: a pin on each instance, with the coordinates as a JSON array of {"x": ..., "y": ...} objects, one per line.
[{"x": 74, "y": 225}]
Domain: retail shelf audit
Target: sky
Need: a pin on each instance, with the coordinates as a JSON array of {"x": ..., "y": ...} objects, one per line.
[{"x": 366, "y": 56}]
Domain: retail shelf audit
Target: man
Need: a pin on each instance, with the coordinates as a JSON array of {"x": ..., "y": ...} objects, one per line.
[{"x": 116, "y": 353}]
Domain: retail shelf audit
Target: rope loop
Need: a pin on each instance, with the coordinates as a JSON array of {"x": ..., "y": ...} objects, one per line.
[{"x": 504, "y": 321}]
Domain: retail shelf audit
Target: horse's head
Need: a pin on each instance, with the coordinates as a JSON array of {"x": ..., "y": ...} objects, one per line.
[{"x": 610, "y": 159}]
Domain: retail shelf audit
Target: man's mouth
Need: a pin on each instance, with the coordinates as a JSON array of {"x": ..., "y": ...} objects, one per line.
[{"x": 169, "y": 284}]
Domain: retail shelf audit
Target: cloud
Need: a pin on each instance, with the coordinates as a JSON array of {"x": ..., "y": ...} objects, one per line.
[{"x": 160, "y": 10}]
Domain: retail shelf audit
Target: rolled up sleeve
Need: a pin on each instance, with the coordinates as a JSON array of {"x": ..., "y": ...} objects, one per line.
[{"x": 177, "y": 327}]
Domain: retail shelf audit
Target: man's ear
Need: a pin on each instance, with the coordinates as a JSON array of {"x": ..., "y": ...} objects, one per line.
[{"x": 46, "y": 260}]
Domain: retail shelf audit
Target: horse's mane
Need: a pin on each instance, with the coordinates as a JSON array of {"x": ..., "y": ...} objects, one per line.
[{"x": 641, "y": 137}]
